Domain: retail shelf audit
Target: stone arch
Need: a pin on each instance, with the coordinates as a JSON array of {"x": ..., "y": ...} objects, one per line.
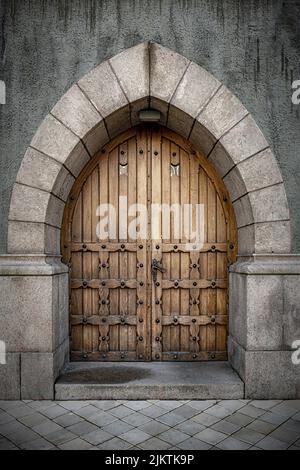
[{"x": 105, "y": 103}]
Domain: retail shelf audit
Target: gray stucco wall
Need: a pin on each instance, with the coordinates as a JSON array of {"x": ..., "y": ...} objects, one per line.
[{"x": 253, "y": 47}]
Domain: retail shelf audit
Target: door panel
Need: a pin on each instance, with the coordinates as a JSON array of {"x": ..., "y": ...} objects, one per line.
[{"x": 119, "y": 308}]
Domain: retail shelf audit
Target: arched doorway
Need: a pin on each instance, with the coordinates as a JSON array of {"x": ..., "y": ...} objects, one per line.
[{"x": 143, "y": 285}]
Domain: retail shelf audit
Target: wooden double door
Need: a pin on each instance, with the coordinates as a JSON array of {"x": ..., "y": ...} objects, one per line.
[{"x": 144, "y": 291}]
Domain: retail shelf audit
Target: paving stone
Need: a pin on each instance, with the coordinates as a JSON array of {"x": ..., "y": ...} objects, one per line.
[
  {"x": 153, "y": 411},
  {"x": 284, "y": 410},
  {"x": 154, "y": 444},
  {"x": 38, "y": 444},
  {"x": 190, "y": 427},
  {"x": 137, "y": 405},
  {"x": 41, "y": 405},
  {"x": 296, "y": 417},
  {"x": 294, "y": 404},
  {"x": 233, "y": 444},
  {"x": 97, "y": 437},
  {"x": 231, "y": 405},
  {"x": 294, "y": 448},
  {"x": 136, "y": 419},
  {"x": 185, "y": 411},
  {"x": 226, "y": 427},
  {"x": 168, "y": 404},
  {"x": 117, "y": 428},
  {"x": 101, "y": 418},
  {"x": 173, "y": 436},
  {"x": 261, "y": 426},
  {"x": 82, "y": 428},
  {"x": 269, "y": 443},
  {"x": 20, "y": 411},
  {"x": 5, "y": 418},
  {"x": 273, "y": 418},
  {"x": 205, "y": 419},
  {"x": 5, "y": 444},
  {"x": 87, "y": 411},
  {"x": 249, "y": 436},
  {"x": 73, "y": 405},
  {"x": 54, "y": 411},
  {"x": 251, "y": 411},
  {"x": 153, "y": 428},
  {"x": 265, "y": 404},
  {"x": 76, "y": 444},
  {"x": 171, "y": 419},
  {"x": 194, "y": 444},
  {"x": 292, "y": 425},
  {"x": 33, "y": 420},
  {"x": 46, "y": 427},
  {"x": 211, "y": 436},
  {"x": 285, "y": 435},
  {"x": 240, "y": 419},
  {"x": 68, "y": 419},
  {"x": 25, "y": 435},
  {"x": 106, "y": 404},
  {"x": 11, "y": 427},
  {"x": 121, "y": 411},
  {"x": 218, "y": 412},
  {"x": 6, "y": 405},
  {"x": 135, "y": 436},
  {"x": 202, "y": 405},
  {"x": 61, "y": 436},
  {"x": 115, "y": 444}
]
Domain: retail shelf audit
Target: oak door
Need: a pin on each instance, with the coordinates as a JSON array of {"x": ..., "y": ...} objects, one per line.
[{"x": 140, "y": 288}]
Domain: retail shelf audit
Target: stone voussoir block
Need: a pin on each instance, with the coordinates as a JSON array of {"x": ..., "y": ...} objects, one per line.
[
  {"x": 167, "y": 69},
  {"x": 194, "y": 91},
  {"x": 222, "y": 112},
  {"x": 103, "y": 89},
  {"x": 244, "y": 140},
  {"x": 132, "y": 69},
  {"x": 269, "y": 204}
]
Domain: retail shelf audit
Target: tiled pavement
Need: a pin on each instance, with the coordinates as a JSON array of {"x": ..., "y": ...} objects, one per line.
[{"x": 153, "y": 425}]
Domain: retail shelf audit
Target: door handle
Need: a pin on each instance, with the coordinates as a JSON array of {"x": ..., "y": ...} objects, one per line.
[{"x": 155, "y": 266}]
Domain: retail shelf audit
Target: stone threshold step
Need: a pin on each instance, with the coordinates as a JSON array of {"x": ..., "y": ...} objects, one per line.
[{"x": 149, "y": 380}]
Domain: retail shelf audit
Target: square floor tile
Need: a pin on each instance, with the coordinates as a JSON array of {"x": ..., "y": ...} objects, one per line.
[
  {"x": 68, "y": 419},
  {"x": 102, "y": 418},
  {"x": 226, "y": 427},
  {"x": 261, "y": 426},
  {"x": 153, "y": 428},
  {"x": 233, "y": 444},
  {"x": 269, "y": 443},
  {"x": 171, "y": 419},
  {"x": 121, "y": 411},
  {"x": 211, "y": 436},
  {"x": 173, "y": 436},
  {"x": 154, "y": 444},
  {"x": 239, "y": 419},
  {"x": 76, "y": 444},
  {"x": 135, "y": 436},
  {"x": 117, "y": 428},
  {"x": 97, "y": 437},
  {"x": 249, "y": 436},
  {"x": 38, "y": 444},
  {"x": 136, "y": 419},
  {"x": 137, "y": 405},
  {"x": 251, "y": 411},
  {"x": 205, "y": 419},
  {"x": 202, "y": 405},
  {"x": 190, "y": 427},
  {"x": 153, "y": 411},
  {"x": 218, "y": 411},
  {"x": 115, "y": 444},
  {"x": 193, "y": 444},
  {"x": 61, "y": 436},
  {"x": 80, "y": 429},
  {"x": 186, "y": 411}
]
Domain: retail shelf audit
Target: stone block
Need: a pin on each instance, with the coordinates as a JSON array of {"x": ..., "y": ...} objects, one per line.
[
  {"x": 246, "y": 240},
  {"x": 238, "y": 307},
  {"x": 202, "y": 139},
  {"x": 162, "y": 107},
  {"x": 54, "y": 139},
  {"x": 273, "y": 237},
  {"x": 10, "y": 377},
  {"x": 243, "y": 211},
  {"x": 37, "y": 376},
  {"x": 31, "y": 237},
  {"x": 195, "y": 89},
  {"x": 26, "y": 321},
  {"x": 118, "y": 122},
  {"x": 235, "y": 184},
  {"x": 222, "y": 112},
  {"x": 77, "y": 160},
  {"x": 167, "y": 69},
  {"x": 63, "y": 184},
  {"x": 269, "y": 204},
  {"x": 236, "y": 356},
  {"x": 60, "y": 308},
  {"x": 103, "y": 89},
  {"x": 291, "y": 319},
  {"x": 179, "y": 122},
  {"x": 38, "y": 171},
  {"x": 132, "y": 69},
  {"x": 244, "y": 140},
  {"x": 96, "y": 139},
  {"x": 260, "y": 171},
  {"x": 221, "y": 160},
  {"x": 76, "y": 112},
  {"x": 136, "y": 107}
]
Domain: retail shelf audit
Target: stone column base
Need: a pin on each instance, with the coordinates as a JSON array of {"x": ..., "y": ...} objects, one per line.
[
  {"x": 34, "y": 320},
  {"x": 264, "y": 325}
]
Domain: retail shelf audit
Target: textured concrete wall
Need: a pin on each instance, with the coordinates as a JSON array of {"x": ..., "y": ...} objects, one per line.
[{"x": 252, "y": 47}]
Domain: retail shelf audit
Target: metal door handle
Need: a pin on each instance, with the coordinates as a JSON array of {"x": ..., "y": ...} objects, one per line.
[{"x": 155, "y": 266}]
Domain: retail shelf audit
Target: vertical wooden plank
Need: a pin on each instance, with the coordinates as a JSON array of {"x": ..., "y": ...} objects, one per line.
[
  {"x": 113, "y": 188},
  {"x": 212, "y": 262},
  {"x": 203, "y": 296},
  {"x": 87, "y": 260},
  {"x": 166, "y": 257},
  {"x": 221, "y": 307},
  {"x": 175, "y": 257}
]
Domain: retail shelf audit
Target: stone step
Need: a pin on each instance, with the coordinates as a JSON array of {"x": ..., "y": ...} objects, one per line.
[{"x": 149, "y": 380}]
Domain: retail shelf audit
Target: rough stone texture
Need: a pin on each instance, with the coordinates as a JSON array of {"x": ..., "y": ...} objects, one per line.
[
  {"x": 267, "y": 374},
  {"x": 191, "y": 98},
  {"x": 222, "y": 113},
  {"x": 29, "y": 237},
  {"x": 162, "y": 381},
  {"x": 10, "y": 378}
]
